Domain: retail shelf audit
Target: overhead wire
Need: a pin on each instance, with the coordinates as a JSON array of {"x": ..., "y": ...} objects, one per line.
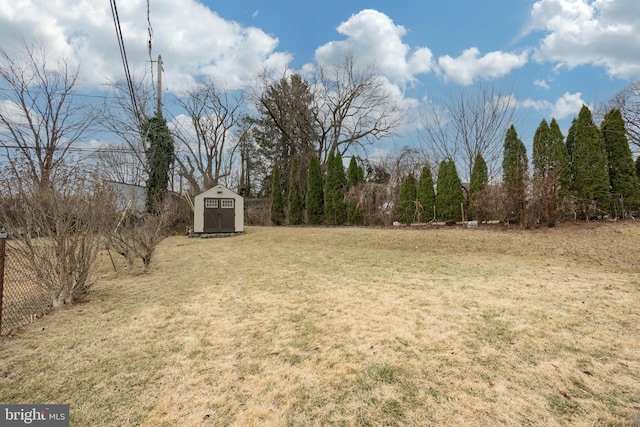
[
  {"x": 123, "y": 55},
  {"x": 149, "y": 42}
]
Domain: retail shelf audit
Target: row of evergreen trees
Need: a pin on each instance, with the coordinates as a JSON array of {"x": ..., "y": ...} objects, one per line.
[
  {"x": 590, "y": 173},
  {"x": 325, "y": 194}
]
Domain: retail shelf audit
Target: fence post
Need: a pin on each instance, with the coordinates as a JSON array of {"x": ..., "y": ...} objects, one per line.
[{"x": 3, "y": 241}]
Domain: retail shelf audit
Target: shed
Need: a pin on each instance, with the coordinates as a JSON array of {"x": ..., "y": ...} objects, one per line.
[{"x": 218, "y": 210}]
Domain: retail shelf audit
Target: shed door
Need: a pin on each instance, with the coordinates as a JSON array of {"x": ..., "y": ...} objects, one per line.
[{"x": 219, "y": 215}]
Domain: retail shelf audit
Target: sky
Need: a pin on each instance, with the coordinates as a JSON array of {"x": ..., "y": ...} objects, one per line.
[{"x": 553, "y": 55}]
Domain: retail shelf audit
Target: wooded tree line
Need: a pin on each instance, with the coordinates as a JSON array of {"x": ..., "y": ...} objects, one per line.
[{"x": 589, "y": 174}]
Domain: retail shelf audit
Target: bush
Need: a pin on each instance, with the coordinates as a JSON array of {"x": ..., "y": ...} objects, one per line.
[{"x": 60, "y": 230}]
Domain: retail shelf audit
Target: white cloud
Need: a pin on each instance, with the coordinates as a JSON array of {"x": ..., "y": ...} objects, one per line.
[
  {"x": 193, "y": 40},
  {"x": 373, "y": 38},
  {"x": 14, "y": 114},
  {"x": 470, "y": 66},
  {"x": 541, "y": 83},
  {"x": 604, "y": 33},
  {"x": 565, "y": 106}
]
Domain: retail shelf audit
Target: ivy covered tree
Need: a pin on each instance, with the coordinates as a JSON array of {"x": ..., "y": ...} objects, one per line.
[
  {"x": 479, "y": 181},
  {"x": 590, "y": 179},
  {"x": 315, "y": 192},
  {"x": 449, "y": 198},
  {"x": 336, "y": 180},
  {"x": 514, "y": 169},
  {"x": 277, "y": 198},
  {"x": 296, "y": 203},
  {"x": 160, "y": 156},
  {"x": 426, "y": 195},
  {"x": 407, "y": 200},
  {"x": 622, "y": 175}
]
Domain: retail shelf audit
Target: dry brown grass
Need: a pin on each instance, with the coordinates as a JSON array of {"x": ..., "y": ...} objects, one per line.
[{"x": 351, "y": 326}]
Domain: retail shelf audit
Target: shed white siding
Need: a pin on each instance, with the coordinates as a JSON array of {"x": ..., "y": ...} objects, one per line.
[{"x": 214, "y": 198}]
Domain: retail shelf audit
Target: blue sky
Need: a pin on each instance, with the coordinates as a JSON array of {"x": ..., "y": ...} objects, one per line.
[{"x": 554, "y": 54}]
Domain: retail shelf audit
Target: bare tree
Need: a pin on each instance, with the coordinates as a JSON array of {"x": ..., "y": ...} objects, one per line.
[
  {"x": 353, "y": 107},
  {"x": 124, "y": 117},
  {"x": 471, "y": 124},
  {"x": 207, "y": 143},
  {"x": 628, "y": 102},
  {"x": 42, "y": 116}
]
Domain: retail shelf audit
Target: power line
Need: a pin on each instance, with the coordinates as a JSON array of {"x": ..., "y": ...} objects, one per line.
[
  {"x": 122, "y": 150},
  {"x": 150, "y": 38},
  {"x": 123, "y": 55}
]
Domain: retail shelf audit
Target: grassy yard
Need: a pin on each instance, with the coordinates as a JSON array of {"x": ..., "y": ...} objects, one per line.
[{"x": 350, "y": 326}]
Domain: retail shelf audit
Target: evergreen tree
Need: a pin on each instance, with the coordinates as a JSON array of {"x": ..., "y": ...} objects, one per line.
[
  {"x": 277, "y": 198},
  {"x": 590, "y": 178},
  {"x": 449, "y": 198},
  {"x": 360, "y": 173},
  {"x": 542, "y": 198},
  {"x": 558, "y": 161},
  {"x": 514, "y": 169},
  {"x": 160, "y": 156},
  {"x": 355, "y": 176},
  {"x": 406, "y": 209},
  {"x": 479, "y": 181},
  {"x": 622, "y": 175},
  {"x": 315, "y": 193},
  {"x": 567, "y": 185},
  {"x": 541, "y": 143},
  {"x": 336, "y": 181},
  {"x": 352, "y": 173},
  {"x": 355, "y": 216},
  {"x": 638, "y": 167},
  {"x": 296, "y": 203},
  {"x": 425, "y": 194},
  {"x": 285, "y": 127},
  {"x": 549, "y": 161}
]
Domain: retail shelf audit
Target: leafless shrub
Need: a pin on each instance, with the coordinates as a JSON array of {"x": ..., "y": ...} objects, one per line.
[
  {"x": 257, "y": 212},
  {"x": 59, "y": 229},
  {"x": 373, "y": 200},
  {"x": 490, "y": 204},
  {"x": 137, "y": 235}
]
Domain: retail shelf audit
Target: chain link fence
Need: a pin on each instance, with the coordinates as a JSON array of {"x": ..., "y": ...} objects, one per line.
[{"x": 22, "y": 298}]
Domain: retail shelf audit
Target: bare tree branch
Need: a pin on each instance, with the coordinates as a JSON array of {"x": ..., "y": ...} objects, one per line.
[
  {"x": 353, "y": 107},
  {"x": 470, "y": 124},
  {"x": 121, "y": 118},
  {"x": 41, "y": 117},
  {"x": 208, "y": 143},
  {"x": 628, "y": 102}
]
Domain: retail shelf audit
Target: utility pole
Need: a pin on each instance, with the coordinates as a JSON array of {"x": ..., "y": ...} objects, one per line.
[{"x": 159, "y": 85}]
